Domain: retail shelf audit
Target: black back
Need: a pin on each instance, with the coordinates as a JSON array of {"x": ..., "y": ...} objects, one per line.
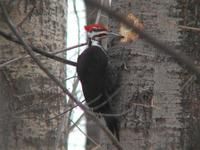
[
  {"x": 93, "y": 72},
  {"x": 91, "y": 69}
]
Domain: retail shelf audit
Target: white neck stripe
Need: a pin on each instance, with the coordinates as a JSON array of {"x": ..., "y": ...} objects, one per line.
[{"x": 96, "y": 43}]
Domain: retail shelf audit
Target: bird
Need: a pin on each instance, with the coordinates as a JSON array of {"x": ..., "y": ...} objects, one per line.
[{"x": 92, "y": 71}]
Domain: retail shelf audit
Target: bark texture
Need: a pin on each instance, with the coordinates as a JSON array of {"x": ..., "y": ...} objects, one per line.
[
  {"x": 27, "y": 96},
  {"x": 190, "y": 17},
  {"x": 150, "y": 78}
]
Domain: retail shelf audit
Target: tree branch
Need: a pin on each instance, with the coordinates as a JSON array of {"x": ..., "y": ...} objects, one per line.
[
  {"x": 180, "y": 58},
  {"x": 56, "y": 81},
  {"x": 42, "y": 52},
  {"x": 75, "y": 125}
]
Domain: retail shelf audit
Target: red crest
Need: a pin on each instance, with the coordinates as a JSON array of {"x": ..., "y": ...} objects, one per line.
[{"x": 91, "y": 26}]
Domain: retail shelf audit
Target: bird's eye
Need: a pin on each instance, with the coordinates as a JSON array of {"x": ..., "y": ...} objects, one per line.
[{"x": 96, "y": 30}]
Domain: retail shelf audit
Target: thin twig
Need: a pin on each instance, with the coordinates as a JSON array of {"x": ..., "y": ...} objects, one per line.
[
  {"x": 78, "y": 22},
  {"x": 192, "y": 78},
  {"x": 189, "y": 28},
  {"x": 103, "y": 114},
  {"x": 69, "y": 48},
  {"x": 27, "y": 56},
  {"x": 70, "y": 78},
  {"x": 31, "y": 107},
  {"x": 93, "y": 141},
  {"x": 56, "y": 81},
  {"x": 181, "y": 59},
  {"x": 64, "y": 112},
  {"x": 35, "y": 49},
  {"x": 110, "y": 98},
  {"x": 127, "y": 111},
  {"x": 115, "y": 114},
  {"x": 28, "y": 15},
  {"x": 77, "y": 121},
  {"x": 12, "y": 61},
  {"x": 99, "y": 13},
  {"x": 60, "y": 130}
]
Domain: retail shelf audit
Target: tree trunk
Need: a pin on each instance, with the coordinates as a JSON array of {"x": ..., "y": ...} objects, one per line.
[
  {"x": 190, "y": 89},
  {"x": 27, "y": 96},
  {"x": 152, "y": 81}
]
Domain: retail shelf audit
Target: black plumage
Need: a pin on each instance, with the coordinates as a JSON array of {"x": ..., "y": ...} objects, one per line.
[{"x": 93, "y": 72}]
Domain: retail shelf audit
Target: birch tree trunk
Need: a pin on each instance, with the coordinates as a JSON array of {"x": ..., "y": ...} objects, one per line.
[
  {"x": 27, "y": 96},
  {"x": 162, "y": 96}
]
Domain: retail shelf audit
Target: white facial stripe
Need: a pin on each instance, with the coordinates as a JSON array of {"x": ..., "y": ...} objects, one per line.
[
  {"x": 97, "y": 34},
  {"x": 101, "y": 32}
]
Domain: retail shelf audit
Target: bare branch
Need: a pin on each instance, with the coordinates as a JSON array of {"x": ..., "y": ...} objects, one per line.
[
  {"x": 12, "y": 61},
  {"x": 77, "y": 122},
  {"x": 99, "y": 13},
  {"x": 27, "y": 56},
  {"x": 108, "y": 99},
  {"x": 35, "y": 49},
  {"x": 189, "y": 28},
  {"x": 69, "y": 48},
  {"x": 70, "y": 78},
  {"x": 127, "y": 111},
  {"x": 56, "y": 81},
  {"x": 60, "y": 129},
  {"x": 181, "y": 59},
  {"x": 92, "y": 140},
  {"x": 188, "y": 82},
  {"x": 26, "y": 17}
]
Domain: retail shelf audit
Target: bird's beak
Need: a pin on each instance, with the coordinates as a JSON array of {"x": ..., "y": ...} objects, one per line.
[{"x": 115, "y": 34}]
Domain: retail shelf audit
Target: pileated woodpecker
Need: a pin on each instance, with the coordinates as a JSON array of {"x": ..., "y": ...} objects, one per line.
[{"x": 92, "y": 68}]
